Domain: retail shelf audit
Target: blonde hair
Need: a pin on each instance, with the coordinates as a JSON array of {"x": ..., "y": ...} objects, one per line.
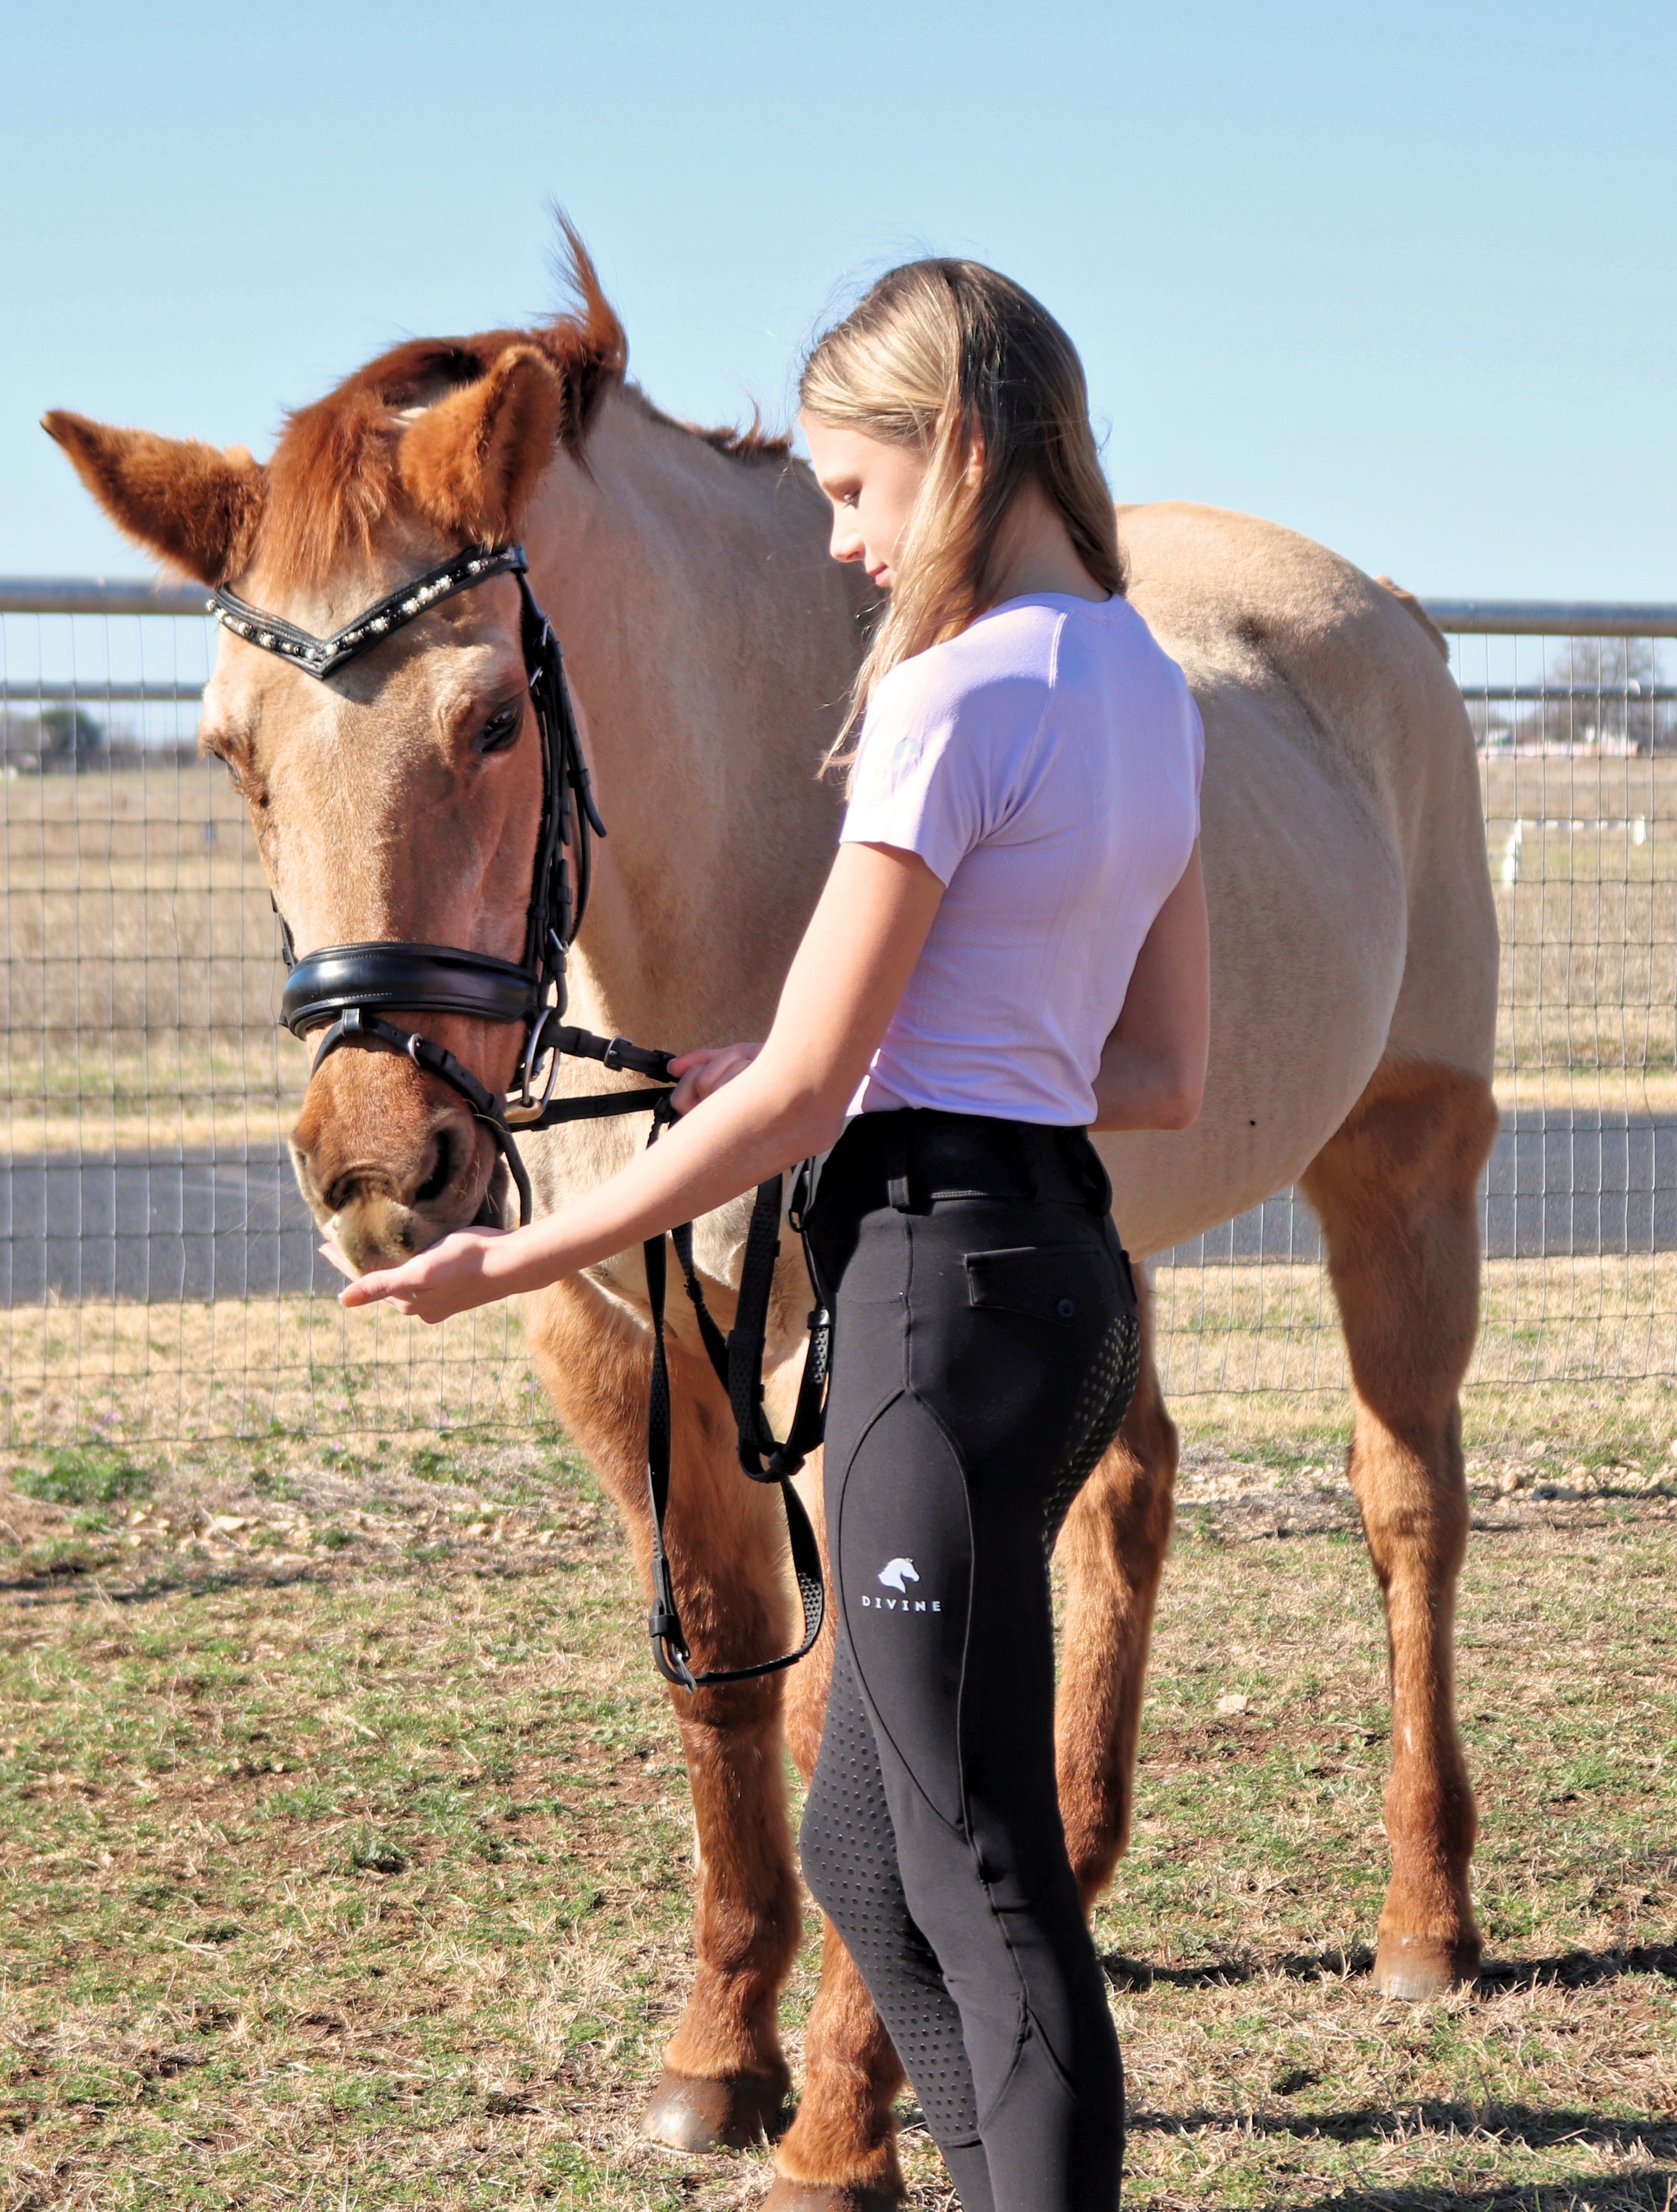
[{"x": 958, "y": 360}]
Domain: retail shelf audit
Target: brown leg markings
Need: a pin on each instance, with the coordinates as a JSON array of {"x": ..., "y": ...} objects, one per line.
[
  {"x": 1112, "y": 1548},
  {"x": 839, "y": 2155},
  {"x": 725, "y": 2078},
  {"x": 1395, "y": 1192}
]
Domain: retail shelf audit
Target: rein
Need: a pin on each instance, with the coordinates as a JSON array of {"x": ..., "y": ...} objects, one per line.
[{"x": 348, "y": 989}]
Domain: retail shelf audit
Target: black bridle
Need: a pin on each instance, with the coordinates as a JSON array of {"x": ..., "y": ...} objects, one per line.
[{"x": 344, "y": 989}]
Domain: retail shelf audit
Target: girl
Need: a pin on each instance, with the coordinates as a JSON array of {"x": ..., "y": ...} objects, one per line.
[{"x": 1011, "y": 948}]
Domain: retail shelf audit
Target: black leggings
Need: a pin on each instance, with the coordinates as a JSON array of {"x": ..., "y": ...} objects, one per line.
[{"x": 985, "y": 1348}]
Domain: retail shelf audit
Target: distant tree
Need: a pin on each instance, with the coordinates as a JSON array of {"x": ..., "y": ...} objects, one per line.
[
  {"x": 71, "y": 733},
  {"x": 1601, "y": 692}
]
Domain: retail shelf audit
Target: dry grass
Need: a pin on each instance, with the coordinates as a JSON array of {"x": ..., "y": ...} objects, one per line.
[
  {"x": 1589, "y": 930},
  {"x": 139, "y": 979},
  {"x": 344, "y": 1855},
  {"x": 251, "y": 1368},
  {"x": 1581, "y": 1354},
  {"x": 139, "y": 983}
]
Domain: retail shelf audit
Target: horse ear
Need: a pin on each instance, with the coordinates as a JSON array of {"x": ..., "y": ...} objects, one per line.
[
  {"x": 470, "y": 461},
  {"x": 194, "y": 504}
]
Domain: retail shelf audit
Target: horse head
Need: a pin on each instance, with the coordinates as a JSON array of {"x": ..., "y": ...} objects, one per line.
[{"x": 397, "y": 799}]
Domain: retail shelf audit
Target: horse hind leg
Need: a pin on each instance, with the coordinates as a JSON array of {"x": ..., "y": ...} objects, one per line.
[
  {"x": 1112, "y": 1549},
  {"x": 1394, "y": 1189}
]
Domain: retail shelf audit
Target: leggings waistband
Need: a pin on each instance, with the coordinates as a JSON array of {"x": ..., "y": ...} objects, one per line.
[{"x": 914, "y": 1157}]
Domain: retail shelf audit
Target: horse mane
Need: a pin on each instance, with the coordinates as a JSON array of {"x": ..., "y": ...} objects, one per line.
[
  {"x": 751, "y": 444},
  {"x": 333, "y": 477}
]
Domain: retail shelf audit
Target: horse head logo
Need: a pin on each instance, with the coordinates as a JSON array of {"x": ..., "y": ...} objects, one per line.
[{"x": 898, "y": 1573}]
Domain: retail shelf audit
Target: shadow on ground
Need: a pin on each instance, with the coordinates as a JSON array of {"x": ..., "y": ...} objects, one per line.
[
  {"x": 1533, "y": 2127},
  {"x": 1650, "y": 2190},
  {"x": 73, "y": 1582},
  {"x": 1567, "y": 1970}
]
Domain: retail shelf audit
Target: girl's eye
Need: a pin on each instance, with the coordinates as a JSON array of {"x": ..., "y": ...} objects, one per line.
[{"x": 500, "y": 730}]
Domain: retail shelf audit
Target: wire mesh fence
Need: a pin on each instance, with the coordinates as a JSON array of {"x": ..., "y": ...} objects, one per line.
[{"x": 157, "y": 1268}]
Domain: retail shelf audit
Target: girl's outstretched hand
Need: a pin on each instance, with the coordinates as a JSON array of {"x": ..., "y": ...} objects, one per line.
[{"x": 450, "y": 1277}]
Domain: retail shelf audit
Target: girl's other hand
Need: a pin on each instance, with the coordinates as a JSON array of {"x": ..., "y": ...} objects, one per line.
[{"x": 704, "y": 1071}]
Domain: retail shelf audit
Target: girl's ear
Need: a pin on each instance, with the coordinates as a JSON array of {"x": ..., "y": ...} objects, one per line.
[
  {"x": 196, "y": 506},
  {"x": 470, "y": 461}
]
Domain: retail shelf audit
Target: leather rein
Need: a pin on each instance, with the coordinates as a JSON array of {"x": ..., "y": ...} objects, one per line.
[{"x": 348, "y": 991}]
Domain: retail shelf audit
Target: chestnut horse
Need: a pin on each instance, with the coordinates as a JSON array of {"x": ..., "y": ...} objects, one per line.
[{"x": 710, "y": 642}]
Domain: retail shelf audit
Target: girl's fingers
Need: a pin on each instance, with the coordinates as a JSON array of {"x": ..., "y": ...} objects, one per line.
[
  {"x": 707, "y": 1072},
  {"x": 366, "y": 1290}
]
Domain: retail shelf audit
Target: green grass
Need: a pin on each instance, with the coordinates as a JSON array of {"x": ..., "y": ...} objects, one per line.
[{"x": 344, "y": 1854}]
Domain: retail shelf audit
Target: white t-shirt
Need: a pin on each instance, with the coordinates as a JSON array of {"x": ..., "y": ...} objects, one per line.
[{"x": 1045, "y": 765}]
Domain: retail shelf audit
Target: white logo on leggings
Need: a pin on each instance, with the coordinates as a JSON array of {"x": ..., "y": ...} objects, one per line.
[{"x": 896, "y": 1575}]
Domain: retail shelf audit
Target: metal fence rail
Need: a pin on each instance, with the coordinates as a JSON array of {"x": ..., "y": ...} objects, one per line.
[{"x": 157, "y": 1269}]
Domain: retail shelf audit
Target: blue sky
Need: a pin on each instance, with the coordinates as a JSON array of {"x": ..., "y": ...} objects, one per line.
[{"x": 1401, "y": 277}]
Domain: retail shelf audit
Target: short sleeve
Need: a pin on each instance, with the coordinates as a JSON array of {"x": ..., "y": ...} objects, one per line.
[{"x": 921, "y": 772}]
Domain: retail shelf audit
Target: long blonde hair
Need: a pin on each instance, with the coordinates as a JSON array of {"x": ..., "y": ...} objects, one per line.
[{"x": 958, "y": 360}]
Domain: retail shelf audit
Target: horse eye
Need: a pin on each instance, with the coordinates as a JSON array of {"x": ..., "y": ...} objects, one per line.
[
  {"x": 213, "y": 751},
  {"x": 500, "y": 730}
]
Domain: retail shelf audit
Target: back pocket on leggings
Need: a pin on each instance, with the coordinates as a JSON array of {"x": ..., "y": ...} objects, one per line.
[{"x": 1060, "y": 1283}]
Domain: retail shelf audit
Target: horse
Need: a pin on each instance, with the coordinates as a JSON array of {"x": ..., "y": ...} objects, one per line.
[{"x": 710, "y": 644}]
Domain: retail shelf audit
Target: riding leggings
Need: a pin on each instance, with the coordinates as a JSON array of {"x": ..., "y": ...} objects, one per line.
[{"x": 985, "y": 1347}]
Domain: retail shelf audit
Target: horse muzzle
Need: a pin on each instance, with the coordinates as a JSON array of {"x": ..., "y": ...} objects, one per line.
[{"x": 390, "y": 1161}]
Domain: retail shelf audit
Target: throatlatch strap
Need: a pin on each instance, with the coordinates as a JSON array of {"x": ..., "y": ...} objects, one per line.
[{"x": 670, "y": 1647}]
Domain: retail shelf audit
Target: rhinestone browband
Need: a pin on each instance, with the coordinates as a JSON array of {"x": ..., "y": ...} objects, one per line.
[{"x": 321, "y": 656}]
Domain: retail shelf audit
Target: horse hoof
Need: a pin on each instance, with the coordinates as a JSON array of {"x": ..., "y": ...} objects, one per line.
[
  {"x": 730, "y": 2114},
  {"x": 1415, "y": 1968},
  {"x": 815, "y": 2197}
]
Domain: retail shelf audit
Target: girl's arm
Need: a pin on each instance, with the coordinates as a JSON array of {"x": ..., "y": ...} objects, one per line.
[
  {"x": 843, "y": 987},
  {"x": 1152, "y": 1072}
]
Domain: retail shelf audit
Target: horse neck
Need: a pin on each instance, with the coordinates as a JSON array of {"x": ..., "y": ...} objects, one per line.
[{"x": 710, "y": 646}]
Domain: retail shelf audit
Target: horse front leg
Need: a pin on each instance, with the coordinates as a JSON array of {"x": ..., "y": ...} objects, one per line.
[
  {"x": 1112, "y": 1549},
  {"x": 724, "y": 2078},
  {"x": 1396, "y": 1191}
]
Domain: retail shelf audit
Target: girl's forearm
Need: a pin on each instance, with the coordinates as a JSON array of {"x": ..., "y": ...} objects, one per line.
[{"x": 754, "y": 1127}]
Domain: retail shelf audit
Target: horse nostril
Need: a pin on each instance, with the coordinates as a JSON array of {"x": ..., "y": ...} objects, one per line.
[{"x": 442, "y": 1174}]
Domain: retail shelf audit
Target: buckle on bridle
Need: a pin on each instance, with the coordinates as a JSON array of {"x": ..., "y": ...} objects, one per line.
[{"x": 526, "y": 1107}]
